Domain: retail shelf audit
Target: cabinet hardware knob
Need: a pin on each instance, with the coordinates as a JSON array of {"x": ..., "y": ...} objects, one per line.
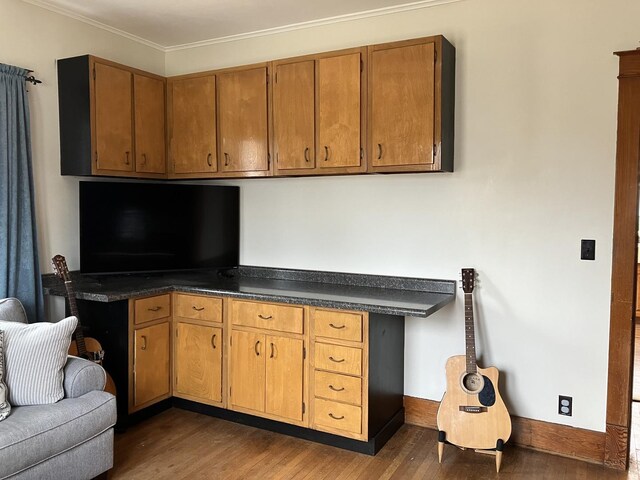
[
  {"x": 154, "y": 309},
  {"x": 126, "y": 158},
  {"x": 144, "y": 342},
  {"x": 209, "y": 160},
  {"x": 272, "y": 351},
  {"x": 144, "y": 159},
  {"x": 337, "y": 361},
  {"x": 336, "y": 327},
  {"x": 306, "y": 155},
  {"x": 255, "y": 348},
  {"x": 326, "y": 153},
  {"x": 336, "y": 389},
  {"x": 213, "y": 341},
  {"x": 227, "y": 157},
  {"x": 265, "y": 317},
  {"x": 379, "y": 151},
  {"x": 197, "y": 309},
  {"x": 336, "y": 418}
]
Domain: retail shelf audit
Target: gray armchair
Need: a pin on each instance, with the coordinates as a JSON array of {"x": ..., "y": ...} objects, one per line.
[{"x": 70, "y": 439}]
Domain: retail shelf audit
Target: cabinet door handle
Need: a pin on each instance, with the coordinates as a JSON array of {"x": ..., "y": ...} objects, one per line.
[
  {"x": 227, "y": 157},
  {"x": 144, "y": 342},
  {"x": 336, "y": 418},
  {"x": 126, "y": 158},
  {"x": 379, "y": 151},
  {"x": 265, "y": 317},
  {"x": 197, "y": 309},
  {"x": 326, "y": 153},
  {"x": 272, "y": 351},
  {"x": 209, "y": 160},
  {"x": 336, "y": 389},
  {"x": 144, "y": 159},
  {"x": 154, "y": 309},
  {"x": 306, "y": 155},
  {"x": 336, "y": 327},
  {"x": 337, "y": 361},
  {"x": 213, "y": 341},
  {"x": 255, "y": 348}
]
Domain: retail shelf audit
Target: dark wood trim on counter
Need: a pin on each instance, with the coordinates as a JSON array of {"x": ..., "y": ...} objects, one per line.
[{"x": 563, "y": 440}]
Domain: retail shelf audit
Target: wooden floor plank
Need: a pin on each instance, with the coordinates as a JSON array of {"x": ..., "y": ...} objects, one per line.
[{"x": 185, "y": 445}]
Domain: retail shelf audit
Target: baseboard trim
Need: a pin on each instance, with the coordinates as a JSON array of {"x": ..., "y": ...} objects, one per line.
[{"x": 563, "y": 440}]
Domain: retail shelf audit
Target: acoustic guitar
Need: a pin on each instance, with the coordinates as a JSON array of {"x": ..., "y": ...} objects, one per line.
[
  {"x": 472, "y": 413},
  {"x": 88, "y": 348}
]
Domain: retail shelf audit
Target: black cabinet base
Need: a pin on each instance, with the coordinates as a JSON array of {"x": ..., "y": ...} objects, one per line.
[{"x": 371, "y": 447}]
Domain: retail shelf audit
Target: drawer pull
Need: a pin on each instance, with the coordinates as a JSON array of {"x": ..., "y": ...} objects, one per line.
[
  {"x": 265, "y": 317},
  {"x": 336, "y": 389},
  {"x": 155, "y": 309},
  {"x": 197, "y": 309},
  {"x": 336, "y": 418},
  {"x": 213, "y": 341},
  {"x": 256, "y": 348},
  {"x": 336, "y": 327},
  {"x": 337, "y": 361}
]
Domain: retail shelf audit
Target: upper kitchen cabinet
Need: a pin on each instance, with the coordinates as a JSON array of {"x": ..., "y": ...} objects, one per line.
[
  {"x": 111, "y": 119},
  {"x": 411, "y": 106},
  {"x": 192, "y": 126},
  {"x": 319, "y": 113},
  {"x": 243, "y": 126}
]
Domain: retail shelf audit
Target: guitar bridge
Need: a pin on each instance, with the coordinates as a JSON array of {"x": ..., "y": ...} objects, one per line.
[{"x": 472, "y": 409}]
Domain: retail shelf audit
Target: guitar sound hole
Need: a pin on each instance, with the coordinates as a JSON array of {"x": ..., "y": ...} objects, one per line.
[{"x": 472, "y": 382}]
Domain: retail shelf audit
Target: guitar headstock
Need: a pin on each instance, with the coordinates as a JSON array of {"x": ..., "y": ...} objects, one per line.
[
  {"x": 60, "y": 268},
  {"x": 468, "y": 279}
]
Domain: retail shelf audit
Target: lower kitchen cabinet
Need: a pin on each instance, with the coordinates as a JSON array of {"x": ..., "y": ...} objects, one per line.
[
  {"x": 198, "y": 362},
  {"x": 151, "y": 364}
]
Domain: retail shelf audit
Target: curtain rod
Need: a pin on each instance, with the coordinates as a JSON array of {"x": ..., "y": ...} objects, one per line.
[{"x": 31, "y": 78}]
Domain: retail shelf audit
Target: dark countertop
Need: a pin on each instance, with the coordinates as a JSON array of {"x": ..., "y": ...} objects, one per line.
[{"x": 403, "y": 296}]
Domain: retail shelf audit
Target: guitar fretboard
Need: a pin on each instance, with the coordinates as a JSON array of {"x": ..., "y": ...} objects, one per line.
[
  {"x": 73, "y": 307},
  {"x": 469, "y": 334}
]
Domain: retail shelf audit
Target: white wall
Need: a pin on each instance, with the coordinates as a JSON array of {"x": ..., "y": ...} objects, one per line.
[{"x": 535, "y": 148}]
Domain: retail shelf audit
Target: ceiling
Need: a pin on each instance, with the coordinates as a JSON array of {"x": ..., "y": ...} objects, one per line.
[{"x": 168, "y": 24}]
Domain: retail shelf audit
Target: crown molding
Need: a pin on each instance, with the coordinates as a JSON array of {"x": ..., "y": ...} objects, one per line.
[
  {"x": 242, "y": 36},
  {"x": 76, "y": 16},
  {"x": 314, "y": 23}
]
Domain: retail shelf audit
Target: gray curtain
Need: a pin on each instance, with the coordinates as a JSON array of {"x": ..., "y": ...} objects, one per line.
[{"x": 19, "y": 269}]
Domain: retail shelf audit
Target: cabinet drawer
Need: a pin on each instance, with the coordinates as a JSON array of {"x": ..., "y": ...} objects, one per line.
[
  {"x": 152, "y": 308},
  {"x": 338, "y": 358},
  {"x": 338, "y": 416},
  {"x": 283, "y": 318},
  {"x": 338, "y": 387},
  {"x": 197, "y": 307},
  {"x": 340, "y": 325}
]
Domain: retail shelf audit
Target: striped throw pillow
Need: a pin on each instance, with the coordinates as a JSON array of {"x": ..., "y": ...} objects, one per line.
[
  {"x": 35, "y": 356},
  {"x": 5, "y": 407}
]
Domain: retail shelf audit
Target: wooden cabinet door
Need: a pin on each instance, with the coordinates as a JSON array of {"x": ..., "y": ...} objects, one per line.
[
  {"x": 198, "y": 361},
  {"x": 242, "y": 120},
  {"x": 247, "y": 370},
  {"x": 113, "y": 119},
  {"x": 151, "y": 363},
  {"x": 339, "y": 109},
  {"x": 284, "y": 377},
  {"x": 402, "y": 87},
  {"x": 149, "y": 116},
  {"x": 294, "y": 115},
  {"x": 193, "y": 125}
]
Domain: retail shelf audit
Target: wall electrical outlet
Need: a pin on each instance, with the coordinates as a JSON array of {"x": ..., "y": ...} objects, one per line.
[
  {"x": 565, "y": 405},
  {"x": 588, "y": 250}
]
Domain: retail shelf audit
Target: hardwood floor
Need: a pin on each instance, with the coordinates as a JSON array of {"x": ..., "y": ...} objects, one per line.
[{"x": 178, "y": 444}]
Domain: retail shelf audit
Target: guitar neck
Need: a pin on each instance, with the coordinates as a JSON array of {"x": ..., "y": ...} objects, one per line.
[
  {"x": 73, "y": 306},
  {"x": 469, "y": 334}
]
